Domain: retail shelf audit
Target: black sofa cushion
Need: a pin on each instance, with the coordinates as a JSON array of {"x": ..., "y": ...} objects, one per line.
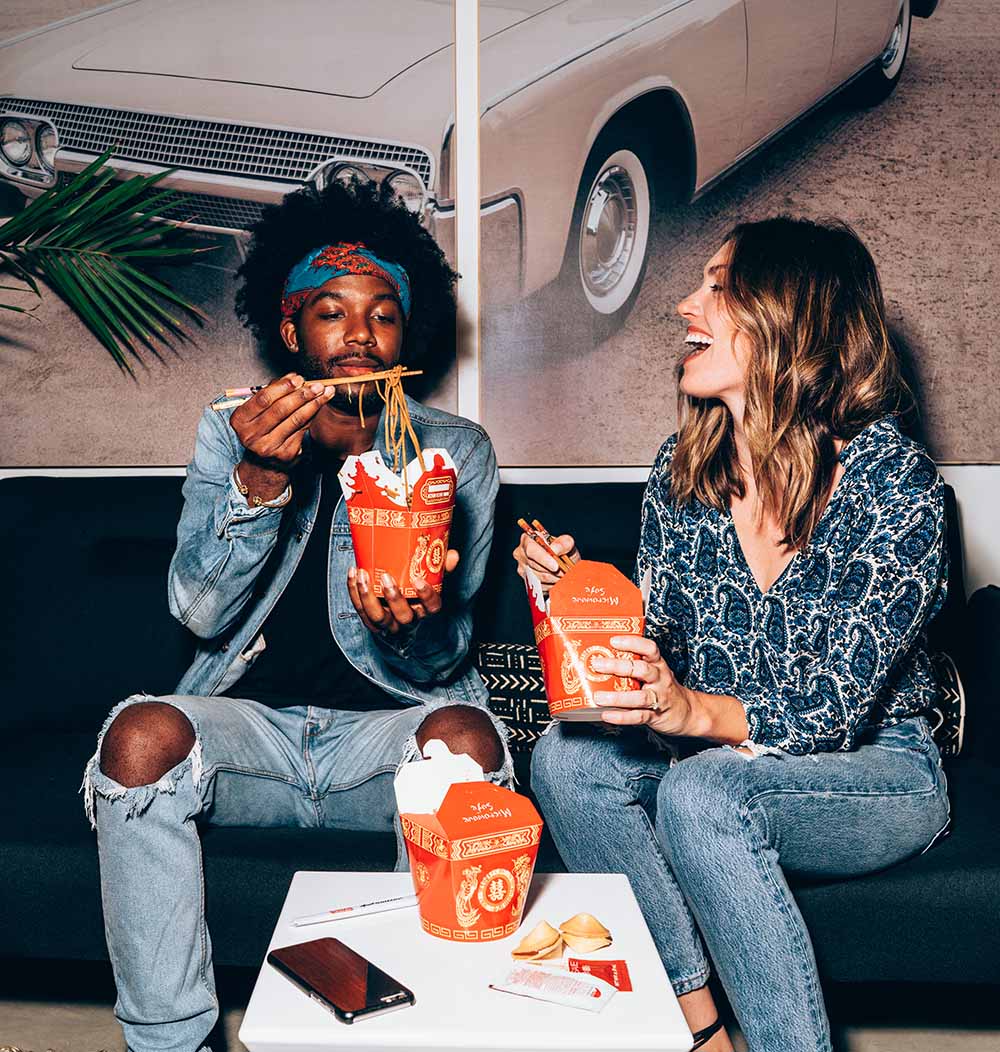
[{"x": 86, "y": 623}]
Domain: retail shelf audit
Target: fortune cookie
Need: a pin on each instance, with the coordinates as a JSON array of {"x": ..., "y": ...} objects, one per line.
[
  {"x": 585, "y": 933},
  {"x": 542, "y": 943}
]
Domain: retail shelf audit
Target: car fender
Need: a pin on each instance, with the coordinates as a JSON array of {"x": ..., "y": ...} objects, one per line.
[{"x": 537, "y": 136}]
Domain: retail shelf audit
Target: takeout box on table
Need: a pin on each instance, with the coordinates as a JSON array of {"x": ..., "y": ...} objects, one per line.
[
  {"x": 400, "y": 523},
  {"x": 471, "y": 858},
  {"x": 586, "y": 607}
]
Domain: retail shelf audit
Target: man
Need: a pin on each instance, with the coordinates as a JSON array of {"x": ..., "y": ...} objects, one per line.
[{"x": 307, "y": 691}]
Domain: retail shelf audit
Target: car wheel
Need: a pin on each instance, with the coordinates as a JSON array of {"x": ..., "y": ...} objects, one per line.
[
  {"x": 606, "y": 253},
  {"x": 880, "y": 81}
]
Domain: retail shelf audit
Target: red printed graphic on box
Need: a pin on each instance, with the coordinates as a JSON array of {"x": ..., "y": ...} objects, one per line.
[
  {"x": 472, "y": 861},
  {"x": 400, "y": 523},
  {"x": 585, "y": 608}
]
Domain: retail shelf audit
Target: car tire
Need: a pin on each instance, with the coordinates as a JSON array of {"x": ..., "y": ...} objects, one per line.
[
  {"x": 607, "y": 247},
  {"x": 879, "y": 82}
]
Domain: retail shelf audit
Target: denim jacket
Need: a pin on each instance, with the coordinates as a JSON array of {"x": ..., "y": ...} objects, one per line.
[{"x": 233, "y": 561}]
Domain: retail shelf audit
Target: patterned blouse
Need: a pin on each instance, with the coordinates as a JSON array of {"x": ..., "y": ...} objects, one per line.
[{"x": 836, "y": 645}]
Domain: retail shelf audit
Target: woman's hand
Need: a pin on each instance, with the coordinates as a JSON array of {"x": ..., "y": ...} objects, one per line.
[
  {"x": 532, "y": 555},
  {"x": 393, "y": 612},
  {"x": 661, "y": 703}
]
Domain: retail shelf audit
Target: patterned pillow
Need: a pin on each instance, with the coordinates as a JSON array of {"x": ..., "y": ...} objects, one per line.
[
  {"x": 947, "y": 717},
  {"x": 512, "y": 673}
]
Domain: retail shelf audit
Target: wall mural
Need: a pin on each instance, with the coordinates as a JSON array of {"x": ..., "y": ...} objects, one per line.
[
  {"x": 584, "y": 157},
  {"x": 572, "y": 375}
]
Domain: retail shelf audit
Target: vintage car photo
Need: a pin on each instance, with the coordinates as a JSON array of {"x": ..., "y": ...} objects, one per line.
[{"x": 593, "y": 114}]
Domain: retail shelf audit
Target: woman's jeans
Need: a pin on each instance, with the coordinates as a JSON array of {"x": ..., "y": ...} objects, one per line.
[
  {"x": 706, "y": 843},
  {"x": 251, "y": 765}
]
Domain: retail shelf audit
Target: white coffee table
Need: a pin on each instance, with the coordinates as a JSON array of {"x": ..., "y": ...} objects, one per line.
[{"x": 455, "y": 1010}]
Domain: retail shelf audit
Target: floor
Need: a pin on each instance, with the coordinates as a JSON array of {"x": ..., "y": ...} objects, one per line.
[{"x": 53, "y": 1007}]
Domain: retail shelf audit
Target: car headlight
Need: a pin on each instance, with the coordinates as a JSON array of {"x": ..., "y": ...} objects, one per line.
[
  {"x": 409, "y": 189},
  {"x": 347, "y": 173},
  {"x": 45, "y": 145},
  {"x": 15, "y": 142}
]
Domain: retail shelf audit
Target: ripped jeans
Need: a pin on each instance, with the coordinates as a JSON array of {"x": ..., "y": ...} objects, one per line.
[
  {"x": 706, "y": 842},
  {"x": 251, "y": 765}
]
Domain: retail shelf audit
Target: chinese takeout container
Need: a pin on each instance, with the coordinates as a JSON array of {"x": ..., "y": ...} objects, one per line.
[
  {"x": 471, "y": 860},
  {"x": 400, "y": 523},
  {"x": 586, "y": 607}
]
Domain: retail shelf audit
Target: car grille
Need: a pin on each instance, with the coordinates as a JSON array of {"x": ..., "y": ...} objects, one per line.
[
  {"x": 210, "y": 146},
  {"x": 227, "y": 213}
]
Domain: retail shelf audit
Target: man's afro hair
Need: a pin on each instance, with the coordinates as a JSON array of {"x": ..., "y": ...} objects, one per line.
[{"x": 367, "y": 212}]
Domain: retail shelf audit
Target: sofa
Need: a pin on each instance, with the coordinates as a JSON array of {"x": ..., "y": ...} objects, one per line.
[{"x": 85, "y": 623}]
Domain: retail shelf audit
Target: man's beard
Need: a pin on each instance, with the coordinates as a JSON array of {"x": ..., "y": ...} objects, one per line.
[{"x": 345, "y": 399}]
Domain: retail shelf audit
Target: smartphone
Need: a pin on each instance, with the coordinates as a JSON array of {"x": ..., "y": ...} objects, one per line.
[{"x": 340, "y": 979}]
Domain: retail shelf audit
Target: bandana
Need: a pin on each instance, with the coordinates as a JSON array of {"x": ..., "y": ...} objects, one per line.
[{"x": 336, "y": 261}]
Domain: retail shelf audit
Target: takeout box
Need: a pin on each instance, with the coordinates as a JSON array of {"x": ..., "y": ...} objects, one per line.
[
  {"x": 471, "y": 858},
  {"x": 586, "y": 607},
  {"x": 400, "y": 523}
]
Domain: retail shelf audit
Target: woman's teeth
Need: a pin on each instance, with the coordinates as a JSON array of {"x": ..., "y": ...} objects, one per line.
[{"x": 697, "y": 342}]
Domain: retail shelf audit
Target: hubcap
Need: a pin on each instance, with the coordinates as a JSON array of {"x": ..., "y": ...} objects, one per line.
[
  {"x": 890, "y": 56},
  {"x": 608, "y": 237}
]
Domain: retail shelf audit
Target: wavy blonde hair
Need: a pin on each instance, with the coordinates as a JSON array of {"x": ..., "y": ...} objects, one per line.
[{"x": 807, "y": 298}]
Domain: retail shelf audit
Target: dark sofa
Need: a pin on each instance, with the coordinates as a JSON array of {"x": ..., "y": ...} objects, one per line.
[{"x": 85, "y": 623}]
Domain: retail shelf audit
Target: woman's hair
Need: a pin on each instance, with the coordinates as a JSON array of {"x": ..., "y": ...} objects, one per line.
[
  {"x": 365, "y": 212},
  {"x": 807, "y": 299}
]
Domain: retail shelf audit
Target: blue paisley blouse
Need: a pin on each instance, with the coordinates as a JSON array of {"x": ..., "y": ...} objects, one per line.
[{"x": 836, "y": 646}]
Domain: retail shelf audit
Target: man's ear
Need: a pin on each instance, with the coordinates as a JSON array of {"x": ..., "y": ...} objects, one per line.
[{"x": 290, "y": 335}]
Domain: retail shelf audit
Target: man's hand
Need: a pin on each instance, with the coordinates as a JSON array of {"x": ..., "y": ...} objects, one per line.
[
  {"x": 394, "y": 613},
  {"x": 272, "y": 426}
]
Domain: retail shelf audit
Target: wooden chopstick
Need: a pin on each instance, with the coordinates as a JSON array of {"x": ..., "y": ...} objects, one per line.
[
  {"x": 238, "y": 395},
  {"x": 541, "y": 536}
]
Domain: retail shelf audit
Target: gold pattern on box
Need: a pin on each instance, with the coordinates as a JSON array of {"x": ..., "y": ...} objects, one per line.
[
  {"x": 465, "y": 912},
  {"x": 425, "y": 838},
  {"x": 486, "y": 845},
  {"x": 522, "y": 872},
  {"x": 627, "y": 625},
  {"x": 496, "y": 890}
]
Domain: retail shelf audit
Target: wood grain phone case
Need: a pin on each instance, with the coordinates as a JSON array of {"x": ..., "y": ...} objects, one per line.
[{"x": 340, "y": 979}]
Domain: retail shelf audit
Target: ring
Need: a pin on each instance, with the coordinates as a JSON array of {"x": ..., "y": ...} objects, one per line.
[
  {"x": 631, "y": 668},
  {"x": 655, "y": 705}
]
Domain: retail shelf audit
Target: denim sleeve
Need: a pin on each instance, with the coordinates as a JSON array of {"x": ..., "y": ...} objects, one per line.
[
  {"x": 434, "y": 649},
  {"x": 222, "y": 542},
  {"x": 893, "y": 580}
]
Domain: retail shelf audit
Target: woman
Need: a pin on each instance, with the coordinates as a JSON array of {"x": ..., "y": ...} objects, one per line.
[{"x": 794, "y": 539}]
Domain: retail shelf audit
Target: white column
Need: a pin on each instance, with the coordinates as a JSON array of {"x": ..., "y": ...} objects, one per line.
[{"x": 465, "y": 158}]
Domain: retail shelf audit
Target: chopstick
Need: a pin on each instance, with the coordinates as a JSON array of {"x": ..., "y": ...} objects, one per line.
[
  {"x": 238, "y": 395},
  {"x": 541, "y": 536}
]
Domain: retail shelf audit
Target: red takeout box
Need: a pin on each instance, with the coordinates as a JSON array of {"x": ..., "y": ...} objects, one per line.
[
  {"x": 585, "y": 608},
  {"x": 390, "y": 536},
  {"x": 472, "y": 861}
]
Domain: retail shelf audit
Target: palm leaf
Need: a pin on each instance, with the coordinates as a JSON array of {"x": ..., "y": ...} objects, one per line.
[
  {"x": 89, "y": 241},
  {"x": 64, "y": 282},
  {"x": 20, "y": 272}
]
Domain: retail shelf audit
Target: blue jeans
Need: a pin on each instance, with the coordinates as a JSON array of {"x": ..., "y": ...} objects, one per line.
[
  {"x": 251, "y": 765},
  {"x": 706, "y": 843}
]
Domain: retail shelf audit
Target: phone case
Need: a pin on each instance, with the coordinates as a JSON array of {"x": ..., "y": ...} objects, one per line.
[{"x": 340, "y": 979}]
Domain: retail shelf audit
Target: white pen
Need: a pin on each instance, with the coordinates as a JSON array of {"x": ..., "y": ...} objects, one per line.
[{"x": 359, "y": 910}]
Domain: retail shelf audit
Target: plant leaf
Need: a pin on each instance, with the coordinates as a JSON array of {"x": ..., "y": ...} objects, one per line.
[
  {"x": 64, "y": 283},
  {"x": 156, "y": 318}
]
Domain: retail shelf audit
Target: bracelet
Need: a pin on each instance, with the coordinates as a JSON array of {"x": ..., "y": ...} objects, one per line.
[{"x": 256, "y": 500}]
